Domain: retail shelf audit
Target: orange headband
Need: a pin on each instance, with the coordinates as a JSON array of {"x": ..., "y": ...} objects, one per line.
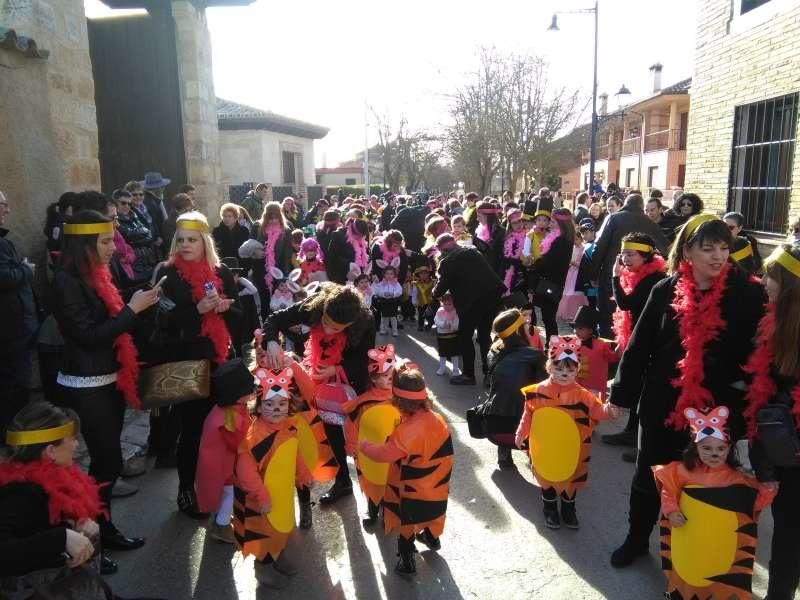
[{"x": 410, "y": 394}]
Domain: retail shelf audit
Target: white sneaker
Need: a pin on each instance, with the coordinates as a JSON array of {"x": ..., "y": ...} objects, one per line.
[
  {"x": 457, "y": 372},
  {"x": 441, "y": 371},
  {"x": 382, "y": 331},
  {"x": 394, "y": 333}
]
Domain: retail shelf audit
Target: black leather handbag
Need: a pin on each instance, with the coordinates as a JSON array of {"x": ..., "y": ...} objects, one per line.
[{"x": 777, "y": 435}]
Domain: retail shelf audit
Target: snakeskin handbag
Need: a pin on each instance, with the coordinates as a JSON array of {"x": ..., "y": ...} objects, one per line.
[{"x": 174, "y": 383}]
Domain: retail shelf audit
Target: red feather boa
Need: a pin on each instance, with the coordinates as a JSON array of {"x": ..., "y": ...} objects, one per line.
[
  {"x": 762, "y": 388},
  {"x": 324, "y": 350},
  {"x": 629, "y": 280},
  {"x": 212, "y": 324},
  {"x": 128, "y": 358},
  {"x": 71, "y": 493},
  {"x": 699, "y": 322}
]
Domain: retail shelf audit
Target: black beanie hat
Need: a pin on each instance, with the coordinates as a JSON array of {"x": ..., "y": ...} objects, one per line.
[{"x": 231, "y": 381}]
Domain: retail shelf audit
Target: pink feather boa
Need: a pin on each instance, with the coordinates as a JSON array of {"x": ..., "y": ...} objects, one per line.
[
  {"x": 359, "y": 248},
  {"x": 484, "y": 233},
  {"x": 512, "y": 249},
  {"x": 273, "y": 234},
  {"x": 387, "y": 254},
  {"x": 548, "y": 240}
]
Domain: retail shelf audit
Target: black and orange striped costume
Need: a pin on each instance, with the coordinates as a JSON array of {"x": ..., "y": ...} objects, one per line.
[
  {"x": 711, "y": 556},
  {"x": 268, "y": 467},
  {"x": 558, "y": 422}
]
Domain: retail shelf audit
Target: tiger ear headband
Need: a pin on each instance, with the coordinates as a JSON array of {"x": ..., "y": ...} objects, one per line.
[
  {"x": 381, "y": 359},
  {"x": 566, "y": 347},
  {"x": 275, "y": 382},
  {"x": 708, "y": 425}
]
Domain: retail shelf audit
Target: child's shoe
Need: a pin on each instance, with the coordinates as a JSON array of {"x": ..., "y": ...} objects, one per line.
[
  {"x": 568, "y": 514},
  {"x": 442, "y": 371},
  {"x": 284, "y": 565},
  {"x": 406, "y": 563},
  {"x": 221, "y": 533},
  {"x": 268, "y": 576},
  {"x": 426, "y": 537},
  {"x": 306, "y": 519},
  {"x": 551, "y": 517}
]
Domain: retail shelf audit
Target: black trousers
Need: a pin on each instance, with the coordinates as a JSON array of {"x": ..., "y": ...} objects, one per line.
[
  {"x": 784, "y": 562},
  {"x": 549, "y": 310},
  {"x": 606, "y": 307},
  {"x": 335, "y": 435},
  {"x": 479, "y": 318},
  {"x": 102, "y": 412},
  {"x": 191, "y": 416},
  {"x": 164, "y": 430}
]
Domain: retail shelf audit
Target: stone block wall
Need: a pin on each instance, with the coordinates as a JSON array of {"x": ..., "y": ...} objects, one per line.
[
  {"x": 47, "y": 115},
  {"x": 200, "y": 132},
  {"x": 738, "y": 60}
]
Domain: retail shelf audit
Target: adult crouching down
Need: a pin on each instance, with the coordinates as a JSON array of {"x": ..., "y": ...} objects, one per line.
[
  {"x": 197, "y": 328},
  {"x": 342, "y": 331},
  {"x": 696, "y": 330},
  {"x": 476, "y": 290}
]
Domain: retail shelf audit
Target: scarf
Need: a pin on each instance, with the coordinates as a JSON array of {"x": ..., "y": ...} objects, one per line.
[
  {"x": 629, "y": 280},
  {"x": 125, "y": 254},
  {"x": 359, "y": 248},
  {"x": 387, "y": 254},
  {"x": 512, "y": 249},
  {"x": 272, "y": 234},
  {"x": 324, "y": 350},
  {"x": 127, "y": 357},
  {"x": 699, "y": 322},
  {"x": 548, "y": 240},
  {"x": 483, "y": 232},
  {"x": 762, "y": 388},
  {"x": 71, "y": 493},
  {"x": 212, "y": 324}
]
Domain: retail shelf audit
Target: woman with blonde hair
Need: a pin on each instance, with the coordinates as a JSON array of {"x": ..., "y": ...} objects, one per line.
[{"x": 198, "y": 327}]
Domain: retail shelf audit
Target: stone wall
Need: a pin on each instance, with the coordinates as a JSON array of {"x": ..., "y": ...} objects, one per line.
[
  {"x": 738, "y": 60},
  {"x": 47, "y": 115},
  {"x": 200, "y": 135}
]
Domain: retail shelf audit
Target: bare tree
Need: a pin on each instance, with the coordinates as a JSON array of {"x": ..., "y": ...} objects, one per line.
[{"x": 389, "y": 143}]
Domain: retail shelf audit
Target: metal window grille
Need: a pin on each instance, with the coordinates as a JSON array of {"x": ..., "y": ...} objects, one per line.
[{"x": 760, "y": 180}]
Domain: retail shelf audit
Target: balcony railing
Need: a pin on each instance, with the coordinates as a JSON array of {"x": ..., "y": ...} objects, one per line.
[{"x": 666, "y": 139}]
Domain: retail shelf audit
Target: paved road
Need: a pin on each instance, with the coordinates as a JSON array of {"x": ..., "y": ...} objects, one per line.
[{"x": 495, "y": 543}]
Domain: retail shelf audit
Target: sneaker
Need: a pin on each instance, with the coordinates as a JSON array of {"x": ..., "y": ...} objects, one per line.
[
  {"x": 123, "y": 489},
  {"x": 394, "y": 332},
  {"x": 269, "y": 576},
  {"x": 382, "y": 331},
  {"x": 457, "y": 373},
  {"x": 134, "y": 466},
  {"x": 441, "y": 370},
  {"x": 221, "y": 533},
  {"x": 626, "y": 554},
  {"x": 623, "y": 438}
]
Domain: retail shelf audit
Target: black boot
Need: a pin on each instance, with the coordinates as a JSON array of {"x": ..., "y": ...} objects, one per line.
[
  {"x": 504, "y": 460},
  {"x": 372, "y": 516},
  {"x": 427, "y": 538},
  {"x": 551, "y": 517},
  {"x": 405, "y": 552},
  {"x": 568, "y": 514},
  {"x": 339, "y": 489},
  {"x": 187, "y": 504},
  {"x": 113, "y": 539},
  {"x": 629, "y": 551},
  {"x": 306, "y": 520}
]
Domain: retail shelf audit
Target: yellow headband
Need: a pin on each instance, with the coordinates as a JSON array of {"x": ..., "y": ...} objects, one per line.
[
  {"x": 331, "y": 324},
  {"x": 636, "y": 246},
  {"x": 511, "y": 329},
  {"x": 740, "y": 255},
  {"x": 40, "y": 436},
  {"x": 193, "y": 225},
  {"x": 88, "y": 228},
  {"x": 786, "y": 260},
  {"x": 697, "y": 220}
]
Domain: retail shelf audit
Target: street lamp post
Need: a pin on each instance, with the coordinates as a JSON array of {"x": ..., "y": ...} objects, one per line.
[
  {"x": 624, "y": 91},
  {"x": 593, "y": 136}
]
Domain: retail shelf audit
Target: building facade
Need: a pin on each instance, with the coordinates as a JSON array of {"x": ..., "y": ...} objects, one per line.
[
  {"x": 341, "y": 175},
  {"x": 742, "y": 150}
]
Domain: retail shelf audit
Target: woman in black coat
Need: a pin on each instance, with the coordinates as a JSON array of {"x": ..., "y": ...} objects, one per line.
[
  {"x": 229, "y": 235},
  {"x": 346, "y": 246},
  {"x": 489, "y": 237},
  {"x": 775, "y": 370},
  {"x": 98, "y": 368},
  {"x": 335, "y": 309},
  {"x": 273, "y": 232},
  {"x": 551, "y": 268},
  {"x": 719, "y": 307},
  {"x": 513, "y": 364},
  {"x": 176, "y": 336}
]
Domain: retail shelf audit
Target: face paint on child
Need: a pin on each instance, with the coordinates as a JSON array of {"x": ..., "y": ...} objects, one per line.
[
  {"x": 713, "y": 452},
  {"x": 275, "y": 408},
  {"x": 563, "y": 372}
]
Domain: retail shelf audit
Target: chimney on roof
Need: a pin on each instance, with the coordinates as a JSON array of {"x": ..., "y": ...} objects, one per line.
[
  {"x": 656, "y": 72},
  {"x": 603, "y": 104}
]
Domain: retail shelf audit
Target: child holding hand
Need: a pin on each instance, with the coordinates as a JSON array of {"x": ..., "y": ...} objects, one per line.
[
  {"x": 446, "y": 321},
  {"x": 558, "y": 421}
]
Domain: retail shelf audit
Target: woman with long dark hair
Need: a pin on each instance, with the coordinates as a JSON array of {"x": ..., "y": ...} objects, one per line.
[
  {"x": 274, "y": 233},
  {"x": 342, "y": 331},
  {"x": 99, "y": 368},
  {"x": 347, "y": 253},
  {"x": 695, "y": 331},
  {"x": 489, "y": 236},
  {"x": 550, "y": 269},
  {"x": 775, "y": 371},
  {"x": 198, "y": 327}
]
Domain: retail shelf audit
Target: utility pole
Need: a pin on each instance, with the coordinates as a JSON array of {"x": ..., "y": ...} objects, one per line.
[{"x": 366, "y": 149}]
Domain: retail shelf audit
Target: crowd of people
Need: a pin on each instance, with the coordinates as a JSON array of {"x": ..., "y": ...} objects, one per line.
[{"x": 263, "y": 349}]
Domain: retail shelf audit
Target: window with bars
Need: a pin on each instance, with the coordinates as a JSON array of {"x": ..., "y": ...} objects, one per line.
[
  {"x": 761, "y": 162},
  {"x": 288, "y": 167}
]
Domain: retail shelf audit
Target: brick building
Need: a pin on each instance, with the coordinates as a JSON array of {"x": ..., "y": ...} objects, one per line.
[{"x": 742, "y": 151}]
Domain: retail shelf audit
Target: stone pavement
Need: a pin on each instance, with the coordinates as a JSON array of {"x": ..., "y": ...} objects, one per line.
[{"x": 495, "y": 544}]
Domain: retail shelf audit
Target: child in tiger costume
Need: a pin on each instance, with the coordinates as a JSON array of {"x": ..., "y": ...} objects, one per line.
[
  {"x": 558, "y": 421},
  {"x": 710, "y": 513}
]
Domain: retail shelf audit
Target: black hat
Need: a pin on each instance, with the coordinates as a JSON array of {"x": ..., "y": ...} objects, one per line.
[
  {"x": 529, "y": 210},
  {"x": 586, "y": 317},
  {"x": 544, "y": 205},
  {"x": 232, "y": 263},
  {"x": 231, "y": 381},
  {"x": 587, "y": 223},
  {"x": 517, "y": 300}
]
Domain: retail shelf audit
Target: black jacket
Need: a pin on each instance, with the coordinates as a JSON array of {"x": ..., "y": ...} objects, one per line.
[
  {"x": 376, "y": 254},
  {"x": 636, "y": 300},
  {"x": 651, "y": 358},
  {"x": 493, "y": 250},
  {"x": 16, "y": 298},
  {"x": 609, "y": 240},
  {"x": 157, "y": 213},
  {"x": 752, "y": 264},
  {"x": 175, "y": 335},
  {"x": 135, "y": 231},
  {"x": 387, "y": 216},
  {"x": 283, "y": 255},
  {"x": 554, "y": 264},
  {"x": 229, "y": 240},
  {"x": 88, "y": 330},
  {"x": 338, "y": 256},
  {"x": 28, "y": 542},
  {"x": 354, "y": 357},
  {"x": 508, "y": 373},
  {"x": 670, "y": 223},
  {"x": 471, "y": 280},
  {"x": 411, "y": 222}
]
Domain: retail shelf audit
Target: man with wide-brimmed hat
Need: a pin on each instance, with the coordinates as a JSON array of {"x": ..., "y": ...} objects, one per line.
[{"x": 154, "y": 184}]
